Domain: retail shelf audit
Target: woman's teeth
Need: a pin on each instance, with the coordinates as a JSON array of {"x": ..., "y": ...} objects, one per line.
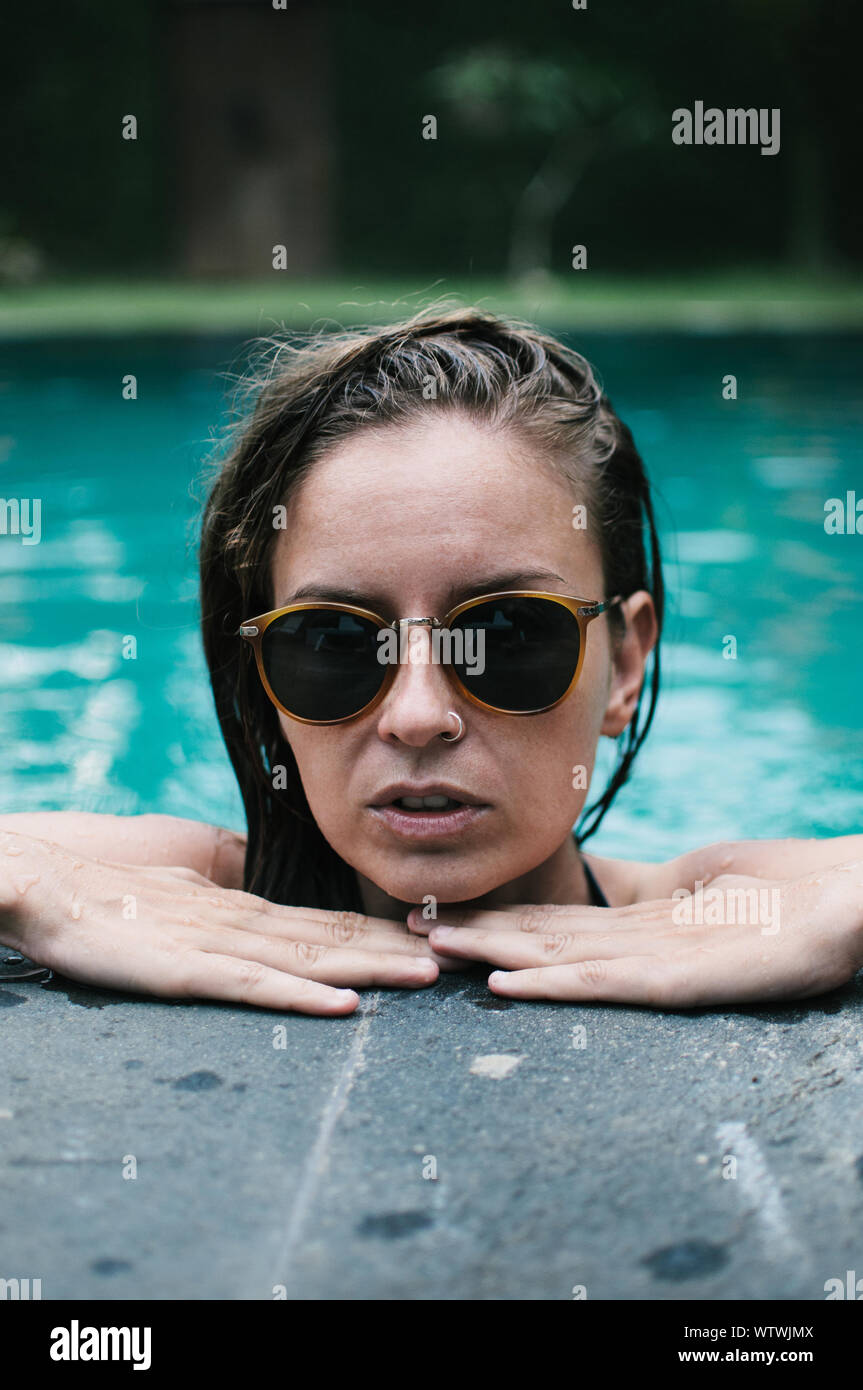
[{"x": 427, "y": 803}]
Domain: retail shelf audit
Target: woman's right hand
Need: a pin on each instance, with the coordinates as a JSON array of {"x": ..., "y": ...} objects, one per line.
[{"x": 173, "y": 933}]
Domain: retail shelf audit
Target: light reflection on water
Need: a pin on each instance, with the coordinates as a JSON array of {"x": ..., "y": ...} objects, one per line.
[{"x": 766, "y": 745}]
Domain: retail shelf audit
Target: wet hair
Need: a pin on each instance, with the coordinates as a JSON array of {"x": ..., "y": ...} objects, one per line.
[{"x": 298, "y": 400}]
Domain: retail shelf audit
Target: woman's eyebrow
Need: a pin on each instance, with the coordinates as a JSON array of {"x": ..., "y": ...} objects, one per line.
[
  {"x": 490, "y": 583},
  {"x": 512, "y": 579}
]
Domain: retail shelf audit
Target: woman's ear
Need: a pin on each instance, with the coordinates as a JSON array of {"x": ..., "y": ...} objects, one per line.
[{"x": 629, "y": 653}]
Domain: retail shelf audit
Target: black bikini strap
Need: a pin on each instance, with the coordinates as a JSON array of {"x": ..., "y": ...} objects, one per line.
[{"x": 597, "y": 897}]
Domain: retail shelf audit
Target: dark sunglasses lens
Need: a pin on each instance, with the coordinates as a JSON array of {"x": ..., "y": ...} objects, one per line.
[
  {"x": 322, "y": 664},
  {"x": 519, "y": 654}
]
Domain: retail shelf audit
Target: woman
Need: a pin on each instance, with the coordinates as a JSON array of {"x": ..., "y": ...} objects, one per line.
[{"x": 410, "y": 803}]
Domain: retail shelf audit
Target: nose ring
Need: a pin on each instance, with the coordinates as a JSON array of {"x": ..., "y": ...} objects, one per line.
[{"x": 459, "y": 733}]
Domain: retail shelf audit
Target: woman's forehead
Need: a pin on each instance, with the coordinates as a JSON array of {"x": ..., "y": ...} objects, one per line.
[
  {"x": 417, "y": 509},
  {"x": 431, "y": 481}
]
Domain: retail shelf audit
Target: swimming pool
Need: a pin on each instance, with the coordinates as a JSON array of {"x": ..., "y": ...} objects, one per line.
[{"x": 767, "y": 744}]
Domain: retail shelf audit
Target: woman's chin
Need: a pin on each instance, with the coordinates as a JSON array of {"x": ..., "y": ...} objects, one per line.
[
  {"x": 444, "y": 888},
  {"x": 422, "y": 879}
]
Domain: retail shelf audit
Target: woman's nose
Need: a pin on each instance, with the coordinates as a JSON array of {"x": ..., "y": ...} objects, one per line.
[{"x": 416, "y": 708}]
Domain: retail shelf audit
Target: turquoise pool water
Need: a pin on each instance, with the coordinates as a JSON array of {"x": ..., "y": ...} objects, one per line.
[{"x": 768, "y": 744}]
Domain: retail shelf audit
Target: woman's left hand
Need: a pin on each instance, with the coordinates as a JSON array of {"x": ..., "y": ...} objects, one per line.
[{"x": 744, "y": 939}]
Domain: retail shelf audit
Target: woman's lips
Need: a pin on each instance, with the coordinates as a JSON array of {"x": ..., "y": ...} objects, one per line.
[{"x": 428, "y": 824}]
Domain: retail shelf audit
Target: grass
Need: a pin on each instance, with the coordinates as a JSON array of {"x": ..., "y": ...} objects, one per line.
[{"x": 738, "y": 300}]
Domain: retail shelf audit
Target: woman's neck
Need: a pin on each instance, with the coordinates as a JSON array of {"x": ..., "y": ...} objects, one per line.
[{"x": 559, "y": 879}]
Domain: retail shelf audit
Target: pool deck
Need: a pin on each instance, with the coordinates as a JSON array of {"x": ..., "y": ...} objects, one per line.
[
  {"x": 745, "y": 299},
  {"x": 565, "y": 1159}
]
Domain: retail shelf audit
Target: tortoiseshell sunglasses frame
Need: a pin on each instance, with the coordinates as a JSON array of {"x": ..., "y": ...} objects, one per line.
[{"x": 584, "y": 610}]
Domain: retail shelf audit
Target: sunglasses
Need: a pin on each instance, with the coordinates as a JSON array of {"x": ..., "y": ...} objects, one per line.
[{"x": 322, "y": 663}]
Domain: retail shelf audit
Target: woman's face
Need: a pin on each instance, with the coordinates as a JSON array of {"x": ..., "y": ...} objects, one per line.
[{"x": 407, "y": 520}]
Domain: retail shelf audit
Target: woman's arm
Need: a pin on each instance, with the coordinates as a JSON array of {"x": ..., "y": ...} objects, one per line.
[
  {"x": 149, "y": 840},
  {"x": 771, "y": 859},
  {"x": 171, "y": 931}
]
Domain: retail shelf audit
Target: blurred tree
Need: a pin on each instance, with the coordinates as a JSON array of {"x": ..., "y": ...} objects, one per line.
[
  {"x": 799, "y": 35},
  {"x": 579, "y": 112},
  {"x": 251, "y": 135},
  {"x": 72, "y": 191}
]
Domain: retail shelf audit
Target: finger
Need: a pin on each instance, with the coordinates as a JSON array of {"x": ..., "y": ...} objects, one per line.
[
  {"x": 418, "y": 924},
  {"x": 337, "y": 919},
  {"x": 692, "y": 979},
  {"x": 211, "y": 976},
  {"x": 341, "y": 926},
  {"x": 516, "y": 951},
  {"x": 523, "y": 917},
  {"x": 335, "y": 931},
  {"x": 447, "y": 964},
  {"x": 329, "y": 927},
  {"x": 627, "y": 980},
  {"x": 553, "y": 909},
  {"x": 333, "y": 965}
]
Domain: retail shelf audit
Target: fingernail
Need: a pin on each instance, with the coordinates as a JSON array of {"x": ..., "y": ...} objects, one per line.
[{"x": 443, "y": 931}]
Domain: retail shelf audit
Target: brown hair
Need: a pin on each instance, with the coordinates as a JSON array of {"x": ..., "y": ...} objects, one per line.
[{"x": 298, "y": 400}]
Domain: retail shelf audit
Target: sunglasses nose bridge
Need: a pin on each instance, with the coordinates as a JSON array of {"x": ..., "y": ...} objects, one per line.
[{"x": 404, "y": 647}]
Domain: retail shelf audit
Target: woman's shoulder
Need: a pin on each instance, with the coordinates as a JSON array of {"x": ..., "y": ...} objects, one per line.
[
  {"x": 150, "y": 839},
  {"x": 629, "y": 881},
  {"x": 213, "y": 851},
  {"x": 159, "y": 840},
  {"x": 229, "y": 857}
]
